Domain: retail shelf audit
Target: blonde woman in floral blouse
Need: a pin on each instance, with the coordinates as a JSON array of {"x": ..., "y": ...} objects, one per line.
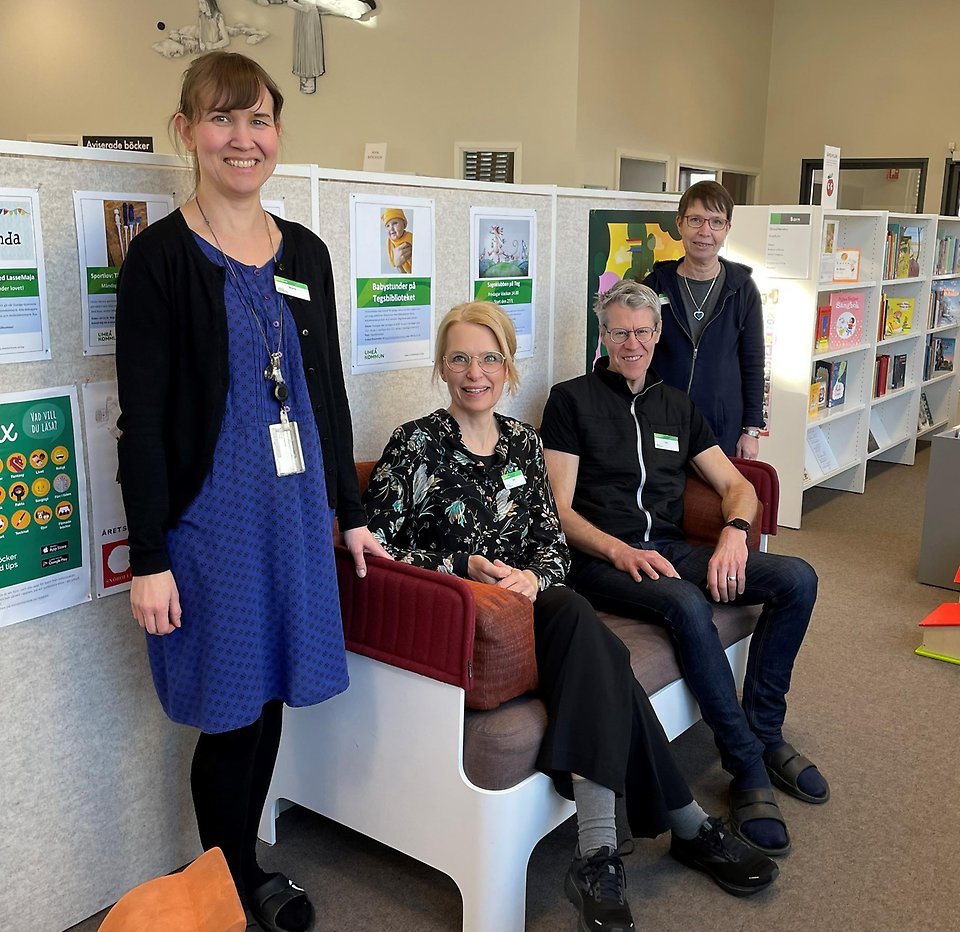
[{"x": 465, "y": 491}]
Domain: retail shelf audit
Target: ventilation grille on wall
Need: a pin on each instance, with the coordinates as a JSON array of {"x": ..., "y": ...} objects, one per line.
[{"x": 488, "y": 166}]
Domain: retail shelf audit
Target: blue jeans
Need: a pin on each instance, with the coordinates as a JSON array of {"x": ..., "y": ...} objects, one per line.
[{"x": 786, "y": 587}]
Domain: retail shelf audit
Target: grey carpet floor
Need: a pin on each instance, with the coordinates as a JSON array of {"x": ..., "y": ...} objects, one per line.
[{"x": 880, "y": 722}]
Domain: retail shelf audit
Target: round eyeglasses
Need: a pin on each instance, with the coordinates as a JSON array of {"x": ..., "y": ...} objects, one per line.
[
  {"x": 643, "y": 334},
  {"x": 715, "y": 223},
  {"x": 489, "y": 362}
]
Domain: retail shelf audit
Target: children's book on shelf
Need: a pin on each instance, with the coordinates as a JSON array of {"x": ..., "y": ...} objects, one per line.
[
  {"x": 897, "y": 315},
  {"x": 813, "y": 406},
  {"x": 846, "y": 265},
  {"x": 926, "y": 418},
  {"x": 881, "y": 375},
  {"x": 834, "y": 375},
  {"x": 902, "y": 251},
  {"x": 822, "y": 341},
  {"x": 846, "y": 319},
  {"x": 943, "y": 352},
  {"x": 898, "y": 371},
  {"x": 944, "y": 304},
  {"x": 947, "y": 260},
  {"x": 822, "y": 379}
]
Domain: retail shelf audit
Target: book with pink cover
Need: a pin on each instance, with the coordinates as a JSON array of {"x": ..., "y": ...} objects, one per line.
[{"x": 846, "y": 319}]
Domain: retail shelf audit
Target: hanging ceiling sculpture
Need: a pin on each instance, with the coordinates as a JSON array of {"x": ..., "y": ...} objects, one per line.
[{"x": 213, "y": 32}]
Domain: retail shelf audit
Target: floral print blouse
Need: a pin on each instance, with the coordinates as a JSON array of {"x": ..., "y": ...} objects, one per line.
[{"x": 433, "y": 503}]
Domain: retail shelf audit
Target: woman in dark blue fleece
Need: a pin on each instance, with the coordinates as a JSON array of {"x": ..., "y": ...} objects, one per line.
[{"x": 711, "y": 345}]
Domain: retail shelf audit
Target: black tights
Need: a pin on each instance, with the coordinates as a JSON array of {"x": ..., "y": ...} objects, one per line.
[{"x": 230, "y": 776}]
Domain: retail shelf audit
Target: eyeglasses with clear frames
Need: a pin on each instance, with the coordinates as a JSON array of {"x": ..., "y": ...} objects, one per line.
[
  {"x": 715, "y": 223},
  {"x": 489, "y": 362},
  {"x": 643, "y": 334}
]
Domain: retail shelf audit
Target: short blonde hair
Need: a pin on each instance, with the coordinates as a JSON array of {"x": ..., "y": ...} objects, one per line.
[{"x": 486, "y": 314}]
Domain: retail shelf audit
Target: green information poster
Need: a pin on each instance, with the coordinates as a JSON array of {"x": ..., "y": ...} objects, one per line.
[{"x": 43, "y": 534}]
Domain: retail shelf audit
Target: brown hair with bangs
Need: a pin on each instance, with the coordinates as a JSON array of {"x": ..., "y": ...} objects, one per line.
[{"x": 222, "y": 81}]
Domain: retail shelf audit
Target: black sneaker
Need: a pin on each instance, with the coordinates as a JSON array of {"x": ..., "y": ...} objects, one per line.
[
  {"x": 596, "y": 886},
  {"x": 736, "y": 866}
]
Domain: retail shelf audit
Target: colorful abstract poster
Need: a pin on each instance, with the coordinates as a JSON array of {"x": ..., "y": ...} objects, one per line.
[
  {"x": 624, "y": 244},
  {"x": 503, "y": 266},
  {"x": 392, "y": 272},
  {"x": 24, "y": 324},
  {"x": 108, "y": 521},
  {"x": 43, "y": 495},
  {"x": 106, "y": 225}
]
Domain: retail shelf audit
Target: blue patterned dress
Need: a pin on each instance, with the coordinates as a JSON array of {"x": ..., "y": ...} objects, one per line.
[{"x": 252, "y": 554}]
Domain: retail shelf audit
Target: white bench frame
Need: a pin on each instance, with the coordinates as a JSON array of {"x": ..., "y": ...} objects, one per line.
[{"x": 385, "y": 758}]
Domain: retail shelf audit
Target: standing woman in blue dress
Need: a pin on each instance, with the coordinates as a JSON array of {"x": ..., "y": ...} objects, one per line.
[{"x": 236, "y": 452}]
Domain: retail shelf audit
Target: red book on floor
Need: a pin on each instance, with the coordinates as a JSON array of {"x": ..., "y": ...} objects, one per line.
[{"x": 941, "y": 631}]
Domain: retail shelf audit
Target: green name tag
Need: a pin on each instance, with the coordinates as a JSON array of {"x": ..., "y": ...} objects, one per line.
[
  {"x": 513, "y": 478},
  {"x": 291, "y": 288},
  {"x": 666, "y": 442}
]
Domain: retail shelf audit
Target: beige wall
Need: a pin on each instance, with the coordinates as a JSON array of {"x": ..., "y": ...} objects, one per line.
[
  {"x": 640, "y": 91},
  {"x": 875, "y": 77},
  {"x": 570, "y": 80},
  {"x": 427, "y": 75}
]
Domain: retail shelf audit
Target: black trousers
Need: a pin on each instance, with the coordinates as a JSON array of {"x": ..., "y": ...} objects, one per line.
[{"x": 600, "y": 723}]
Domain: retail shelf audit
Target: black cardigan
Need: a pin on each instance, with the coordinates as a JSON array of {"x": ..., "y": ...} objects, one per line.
[{"x": 173, "y": 374}]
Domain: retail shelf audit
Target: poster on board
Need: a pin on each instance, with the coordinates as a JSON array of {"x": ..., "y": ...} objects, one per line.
[
  {"x": 106, "y": 225},
  {"x": 108, "y": 521},
  {"x": 43, "y": 495},
  {"x": 24, "y": 323},
  {"x": 503, "y": 266},
  {"x": 392, "y": 271},
  {"x": 624, "y": 244}
]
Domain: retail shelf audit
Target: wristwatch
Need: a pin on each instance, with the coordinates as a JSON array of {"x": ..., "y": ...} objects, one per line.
[
  {"x": 750, "y": 432},
  {"x": 739, "y": 524}
]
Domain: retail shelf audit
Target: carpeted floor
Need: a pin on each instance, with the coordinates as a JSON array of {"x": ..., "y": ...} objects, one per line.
[{"x": 880, "y": 721}]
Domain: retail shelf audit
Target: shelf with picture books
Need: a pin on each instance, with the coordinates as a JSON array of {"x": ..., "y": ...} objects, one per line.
[
  {"x": 940, "y": 371},
  {"x": 855, "y": 311}
]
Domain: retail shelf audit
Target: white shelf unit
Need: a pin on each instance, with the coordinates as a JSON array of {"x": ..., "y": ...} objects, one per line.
[
  {"x": 787, "y": 269},
  {"x": 894, "y": 415},
  {"x": 941, "y": 388}
]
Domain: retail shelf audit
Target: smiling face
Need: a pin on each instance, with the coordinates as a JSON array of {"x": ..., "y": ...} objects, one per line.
[
  {"x": 703, "y": 244},
  {"x": 396, "y": 228},
  {"x": 473, "y": 391},
  {"x": 236, "y": 150},
  {"x": 630, "y": 358}
]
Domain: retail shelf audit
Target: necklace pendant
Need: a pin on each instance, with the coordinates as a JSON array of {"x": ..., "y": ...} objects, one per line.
[{"x": 698, "y": 315}]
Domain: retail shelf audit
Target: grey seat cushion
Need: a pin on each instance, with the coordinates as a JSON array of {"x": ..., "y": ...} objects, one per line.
[{"x": 500, "y": 746}]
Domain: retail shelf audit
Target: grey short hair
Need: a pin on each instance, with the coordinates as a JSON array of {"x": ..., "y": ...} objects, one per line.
[{"x": 629, "y": 294}]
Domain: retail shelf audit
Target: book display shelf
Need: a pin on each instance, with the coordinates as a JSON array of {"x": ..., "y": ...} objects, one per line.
[
  {"x": 851, "y": 347},
  {"x": 938, "y": 405}
]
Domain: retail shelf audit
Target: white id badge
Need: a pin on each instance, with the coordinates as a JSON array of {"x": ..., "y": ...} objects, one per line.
[
  {"x": 291, "y": 288},
  {"x": 287, "y": 452},
  {"x": 666, "y": 442}
]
